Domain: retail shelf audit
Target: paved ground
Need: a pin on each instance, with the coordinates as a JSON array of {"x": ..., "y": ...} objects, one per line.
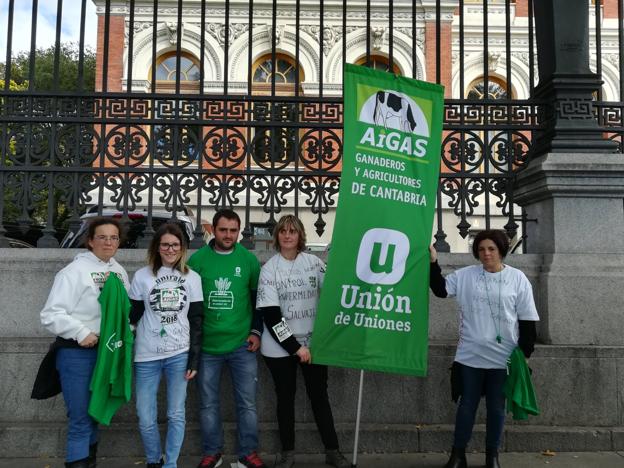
[{"x": 416, "y": 460}]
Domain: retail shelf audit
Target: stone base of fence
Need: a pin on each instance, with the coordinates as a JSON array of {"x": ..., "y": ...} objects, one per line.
[
  {"x": 580, "y": 390},
  {"x": 580, "y": 387}
]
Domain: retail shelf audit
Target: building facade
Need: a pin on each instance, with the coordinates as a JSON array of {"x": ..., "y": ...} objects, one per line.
[{"x": 294, "y": 51}]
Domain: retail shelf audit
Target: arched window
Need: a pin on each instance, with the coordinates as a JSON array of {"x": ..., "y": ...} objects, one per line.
[
  {"x": 379, "y": 62},
  {"x": 285, "y": 73},
  {"x": 166, "y": 68},
  {"x": 497, "y": 89},
  {"x": 497, "y": 148},
  {"x": 275, "y": 144},
  {"x": 285, "y": 70},
  {"x": 176, "y": 142}
]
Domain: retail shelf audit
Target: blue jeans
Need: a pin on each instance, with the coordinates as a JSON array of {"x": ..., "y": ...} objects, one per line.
[
  {"x": 147, "y": 380},
  {"x": 243, "y": 366},
  {"x": 474, "y": 381},
  {"x": 75, "y": 367}
]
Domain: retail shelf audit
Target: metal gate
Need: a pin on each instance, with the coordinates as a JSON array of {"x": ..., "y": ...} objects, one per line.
[{"x": 187, "y": 106}]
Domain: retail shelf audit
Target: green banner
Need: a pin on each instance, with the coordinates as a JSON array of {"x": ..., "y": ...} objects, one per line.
[{"x": 373, "y": 311}]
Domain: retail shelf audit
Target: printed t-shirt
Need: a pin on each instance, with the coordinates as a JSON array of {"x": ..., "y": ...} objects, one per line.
[
  {"x": 294, "y": 286},
  {"x": 477, "y": 292},
  {"x": 227, "y": 281},
  {"x": 164, "y": 329}
]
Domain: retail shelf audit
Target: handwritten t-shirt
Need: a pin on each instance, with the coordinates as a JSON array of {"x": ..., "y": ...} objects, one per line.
[{"x": 294, "y": 286}]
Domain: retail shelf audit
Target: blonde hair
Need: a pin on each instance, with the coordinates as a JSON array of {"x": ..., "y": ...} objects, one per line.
[{"x": 296, "y": 224}]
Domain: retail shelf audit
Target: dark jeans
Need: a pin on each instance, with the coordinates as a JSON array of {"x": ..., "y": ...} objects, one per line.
[
  {"x": 284, "y": 372},
  {"x": 243, "y": 367},
  {"x": 474, "y": 381}
]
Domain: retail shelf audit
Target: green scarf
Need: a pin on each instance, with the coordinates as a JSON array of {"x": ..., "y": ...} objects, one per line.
[{"x": 518, "y": 389}]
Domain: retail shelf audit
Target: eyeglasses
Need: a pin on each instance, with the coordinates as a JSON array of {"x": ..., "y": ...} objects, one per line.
[
  {"x": 107, "y": 238},
  {"x": 167, "y": 246}
]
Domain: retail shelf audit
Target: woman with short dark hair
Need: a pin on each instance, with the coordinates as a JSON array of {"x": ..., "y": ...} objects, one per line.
[
  {"x": 72, "y": 312},
  {"x": 167, "y": 307},
  {"x": 497, "y": 313}
]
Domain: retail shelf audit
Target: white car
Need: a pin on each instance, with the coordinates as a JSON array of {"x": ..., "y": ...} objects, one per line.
[{"x": 134, "y": 230}]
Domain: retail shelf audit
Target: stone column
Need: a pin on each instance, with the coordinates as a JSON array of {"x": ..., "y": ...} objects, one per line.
[
  {"x": 574, "y": 189},
  {"x": 578, "y": 202},
  {"x": 566, "y": 83}
]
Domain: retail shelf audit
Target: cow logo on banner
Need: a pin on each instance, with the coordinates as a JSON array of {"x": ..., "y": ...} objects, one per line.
[
  {"x": 373, "y": 310},
  {"x": 394, "y": 110}
]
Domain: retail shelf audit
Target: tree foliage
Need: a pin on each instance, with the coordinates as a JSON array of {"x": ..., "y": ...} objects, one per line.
[{"x": 44, "y": 80}]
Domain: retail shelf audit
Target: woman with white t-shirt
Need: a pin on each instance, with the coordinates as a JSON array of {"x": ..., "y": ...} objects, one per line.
[
  {"x": 497, "y": 313},
  {"x": 288, "y": 292},
  {"x": 167, "y": 307}
]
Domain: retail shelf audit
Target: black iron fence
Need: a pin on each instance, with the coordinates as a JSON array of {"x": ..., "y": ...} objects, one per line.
[{"x": 187, "y": 106}]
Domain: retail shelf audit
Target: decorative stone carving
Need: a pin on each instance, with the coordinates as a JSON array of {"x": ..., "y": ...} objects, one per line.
[
  {"x": 613, "y": 59},
  {"x": 331, "y": 35},
  {"x": 142, "y": 26},
  {"x": 171, "y": 28},
  {"x": 279, "y": 33},
  {"x": 521, "y": 56},
  {"x": 493, "y": 58},
  {"x": 218, "y": 31},
  {"x": 420, "y": 35},
  {"x": 378, "y": 34}
]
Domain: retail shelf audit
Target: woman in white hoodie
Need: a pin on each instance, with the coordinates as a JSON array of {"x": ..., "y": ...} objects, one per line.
[{"x": 72, "y": 313}]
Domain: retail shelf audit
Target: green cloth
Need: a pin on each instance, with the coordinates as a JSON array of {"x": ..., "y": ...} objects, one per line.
[
  {"x": 227, "y": 281},
  {"x": 111, "y": 384},
  {"x": 518, "y": 389}
]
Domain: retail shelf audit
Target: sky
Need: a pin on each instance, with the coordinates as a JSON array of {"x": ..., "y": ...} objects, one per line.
[{"x": 46, "y": 24}]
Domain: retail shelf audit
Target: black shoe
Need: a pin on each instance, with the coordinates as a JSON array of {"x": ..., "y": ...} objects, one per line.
[
  {"x": 84, "y": 463},
  {"x": 286, "y": 459},
  {"x": 458, "y": 459},
  {"x": 491, "y": 459},
  {"x": 156, "y": 465},
  {"x": 336, "y": 459},
  {"x": 92, "y": 456}
]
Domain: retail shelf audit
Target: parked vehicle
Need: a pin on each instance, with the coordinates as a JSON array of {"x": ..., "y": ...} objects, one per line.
[
  {"x": 134, "y": 230},
  {"x": 18, "y": 244},
  {"x": 29, "y": 235}
]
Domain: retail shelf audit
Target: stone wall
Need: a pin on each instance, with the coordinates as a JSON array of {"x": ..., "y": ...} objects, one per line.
[{"x": 580, "y": 388}]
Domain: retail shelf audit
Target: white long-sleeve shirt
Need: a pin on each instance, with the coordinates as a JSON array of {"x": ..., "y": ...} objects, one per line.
[{"x": 72, "y": 310}]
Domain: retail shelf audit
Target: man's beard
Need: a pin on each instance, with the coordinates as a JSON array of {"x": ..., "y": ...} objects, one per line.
[{"x": 224, "y": 248}]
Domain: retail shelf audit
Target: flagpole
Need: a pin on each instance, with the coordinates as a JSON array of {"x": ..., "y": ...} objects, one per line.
[{"x": 357, "y": 420}]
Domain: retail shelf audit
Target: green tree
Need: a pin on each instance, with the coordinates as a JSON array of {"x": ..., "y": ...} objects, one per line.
[
  {"x": 43, "y": 80},
  {"x": 69, "y": 58},
  {"x": 11, "y": 211}
]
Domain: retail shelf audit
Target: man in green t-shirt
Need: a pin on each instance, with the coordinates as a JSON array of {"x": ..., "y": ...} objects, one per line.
[{"x": 231, "y": 335}]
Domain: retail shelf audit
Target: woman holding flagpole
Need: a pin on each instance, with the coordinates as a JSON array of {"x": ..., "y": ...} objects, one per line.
[
  {"x": 288, "y": 293},
  {"x": 497, "y": 313}
]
